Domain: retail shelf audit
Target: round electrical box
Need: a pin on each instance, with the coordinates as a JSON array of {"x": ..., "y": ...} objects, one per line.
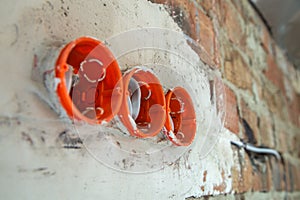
[
  {"x": 143, "y": 109},
  {"x": 88, "y": 81}
]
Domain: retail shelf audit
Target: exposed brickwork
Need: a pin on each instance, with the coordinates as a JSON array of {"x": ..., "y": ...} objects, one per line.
[
  {"x": 232, "y": 118},
  {"x": 277, "y": 174},
  {"x": 266, "y": 131},
  {"x": 232, "y": 22},
  {"x": 273, "y": 73},
  {"x": 294, "y": 147},
  {"x": 206, "y": 4},
  {"x": 236, "y": 70},
  {"x": 283, "y": 146},
  {"x": 243, "y": 177},
  {"x": 294, "y": 109},
  {"x": 207, "y": 39},
  {"x": 251, "y": 132},
  {"x": 296, "y": 177},
  {"x": 262, "y": 178},
  {"x": 275, "y": 100},
  {"x": 262, "y": 95}
]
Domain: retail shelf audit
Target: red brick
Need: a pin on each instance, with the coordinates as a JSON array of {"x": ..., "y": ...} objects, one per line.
[
  {"x": 262, "y": 178},
  {"x": 236, "y": 70},
  {"x": 278, "y": 173},
  {"x": 292, "y": 173},
  {"x": 274, "y": 74},
  {"x": 294, "y": 145},
  {"x": 257, "y": 184},
  {"x": 247, "y": 174},
  {"x": 275, "y": 102},
  {"x": 220, "y": 10},
  {"x": 267, "y": 178},
  {"x": 192, "y": 19},
  {"x": 202, "y": 31},
  {"x": 282, "y": 136},
  {"x": 206, "y": 4},
  {"x": 296, "y": 177},
  {"x": 208, "y": 40},
  {"x": 230, "y": 18},
  {"x": 231, "y": 118},
  {"x": 251, "y": 118},
  {"x": 294, "y": 109},
  {"x": 266, "y": 131}
]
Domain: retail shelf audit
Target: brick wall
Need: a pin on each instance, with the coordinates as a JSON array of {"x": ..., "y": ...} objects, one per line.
[{"x": 262, "y": 88}]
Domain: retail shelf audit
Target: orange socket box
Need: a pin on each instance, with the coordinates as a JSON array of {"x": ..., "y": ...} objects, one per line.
[
  {"x": 90, "y": 88},
  {"x": 147, "y": 119},
  {"x": 180, "y": 126}
]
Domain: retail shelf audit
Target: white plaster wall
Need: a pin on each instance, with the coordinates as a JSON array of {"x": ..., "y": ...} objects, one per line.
[{"x": 33, "y": 162}]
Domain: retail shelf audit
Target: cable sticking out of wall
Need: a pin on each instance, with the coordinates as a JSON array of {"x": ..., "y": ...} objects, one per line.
[{"x": 258, "y": 150}]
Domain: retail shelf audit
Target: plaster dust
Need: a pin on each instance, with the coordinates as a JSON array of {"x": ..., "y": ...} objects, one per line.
[{"x": 41, "y": 157}]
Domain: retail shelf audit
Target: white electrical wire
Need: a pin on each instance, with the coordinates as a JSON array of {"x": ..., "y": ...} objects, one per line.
[{"x": 259, "y": 150}]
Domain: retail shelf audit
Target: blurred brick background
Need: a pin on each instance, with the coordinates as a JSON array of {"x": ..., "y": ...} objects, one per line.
[{"x": 262, "y": 88}]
